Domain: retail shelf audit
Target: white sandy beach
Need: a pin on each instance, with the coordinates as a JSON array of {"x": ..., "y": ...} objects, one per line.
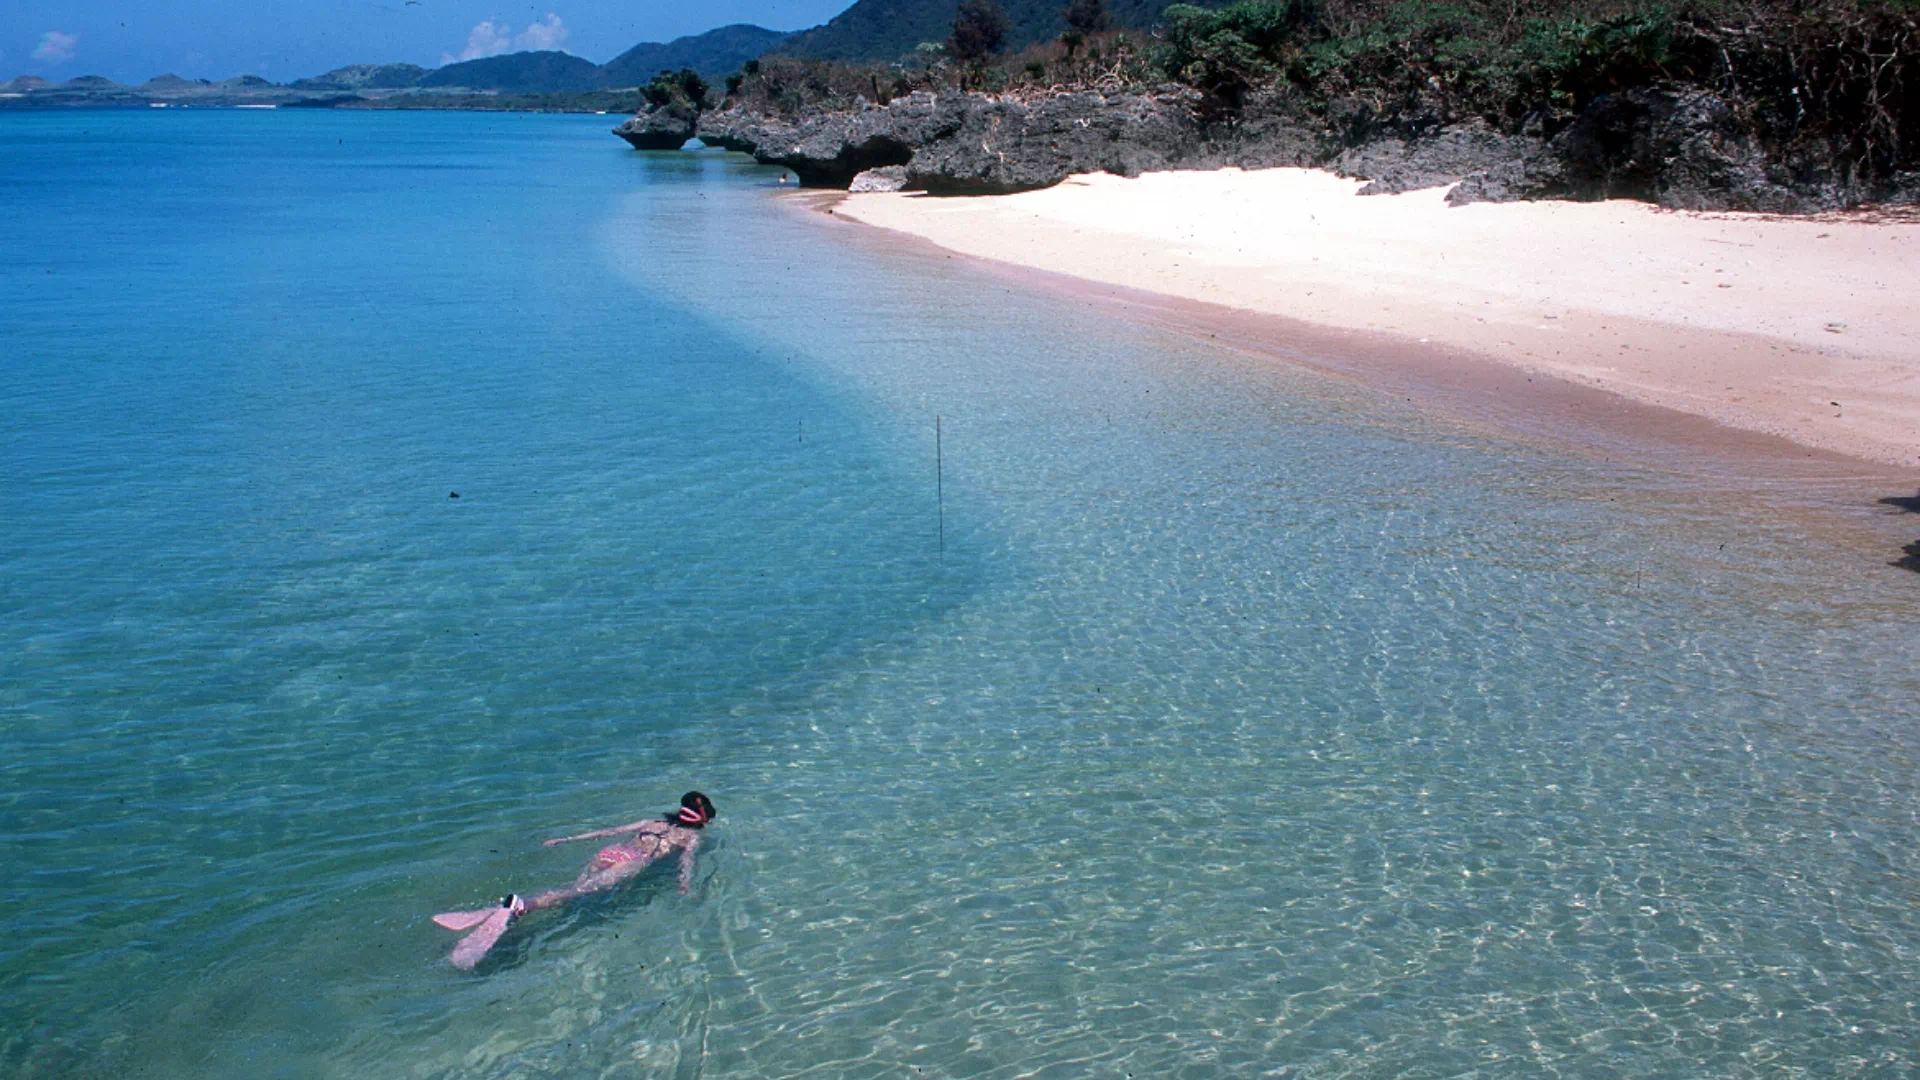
[{"x": 1805, "y": 328}]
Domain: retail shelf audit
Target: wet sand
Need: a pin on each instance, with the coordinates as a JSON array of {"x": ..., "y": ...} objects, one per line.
[{"x": 1804, "y": 329}]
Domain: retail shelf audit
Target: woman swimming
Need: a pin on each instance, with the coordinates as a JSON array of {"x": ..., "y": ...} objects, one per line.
[{"x": 653, "y": 839}]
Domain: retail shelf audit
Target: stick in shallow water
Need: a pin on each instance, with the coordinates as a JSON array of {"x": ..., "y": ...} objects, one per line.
[{"x": 940, "y": 487}]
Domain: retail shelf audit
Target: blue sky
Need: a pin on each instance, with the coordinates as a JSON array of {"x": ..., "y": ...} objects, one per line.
[{"x": 132, "y": 41}]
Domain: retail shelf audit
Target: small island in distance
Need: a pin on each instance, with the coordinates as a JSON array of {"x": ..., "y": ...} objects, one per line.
[{"x": 540, "y": 81}]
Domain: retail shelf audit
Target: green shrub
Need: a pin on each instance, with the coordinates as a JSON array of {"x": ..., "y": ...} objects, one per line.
[
  {"x": 1224, "y": 52},
  {"x": 1458, "y": 59},
  {"x": 787, "y": 86},
  {"x": 685, "y": 86},
  {"x": 1086, "y": 16},
  {"x": 979, "y": 30},
  {"x": 1083, "y": 18},
  {"x": 1579, "y": 59}
]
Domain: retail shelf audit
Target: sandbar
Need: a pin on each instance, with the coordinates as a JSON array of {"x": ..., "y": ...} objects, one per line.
[{"x": 1804, "y": 328}]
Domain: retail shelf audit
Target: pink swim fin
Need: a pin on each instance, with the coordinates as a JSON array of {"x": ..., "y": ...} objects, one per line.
[
  {"x": 476, "y": 945},
  {"x": 463, "y": 920}
]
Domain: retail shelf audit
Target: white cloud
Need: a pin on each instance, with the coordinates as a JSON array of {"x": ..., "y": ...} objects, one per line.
[
  {"x": 491, "y": 38},
  {"x": 56, "y": 47},
  {"x": 550, "y": 34},
  {"x": 486, "y": 39}
]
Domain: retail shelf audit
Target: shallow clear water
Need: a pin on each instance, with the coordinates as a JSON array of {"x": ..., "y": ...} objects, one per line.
[{"x": 1198, "y": 718}]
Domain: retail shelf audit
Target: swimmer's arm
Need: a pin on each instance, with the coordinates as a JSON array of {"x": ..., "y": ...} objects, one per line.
[
  {"x": 598, "y": 833},
  {"x": 686, "y": 865}
]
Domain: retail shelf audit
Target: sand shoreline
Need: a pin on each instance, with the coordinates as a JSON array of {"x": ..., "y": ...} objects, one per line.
[{"x": 1758, "y": 324}]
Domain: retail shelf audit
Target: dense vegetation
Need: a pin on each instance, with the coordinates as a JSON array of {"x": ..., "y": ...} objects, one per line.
[
  {"x": 1845, "y": 72},
  {"x": 684, "y": 87},
  {"x": 1841, "y": 77},
  {"x": 979, "y": 30},
  {"x": 886, "y": 30}
]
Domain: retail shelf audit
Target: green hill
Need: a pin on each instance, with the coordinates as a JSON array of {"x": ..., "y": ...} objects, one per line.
[
  {"x": 889, "y": 29},
  {"x": 526, "y": 72},
  {"x": 714, "y": 53},
  {"x": 364, "y": 77}
]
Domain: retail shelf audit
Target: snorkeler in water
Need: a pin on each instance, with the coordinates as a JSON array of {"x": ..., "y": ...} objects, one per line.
[{"x": 653, "y": 839}]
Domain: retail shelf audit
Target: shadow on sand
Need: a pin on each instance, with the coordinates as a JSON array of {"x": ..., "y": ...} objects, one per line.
[{"x": 1911, "y": 504}]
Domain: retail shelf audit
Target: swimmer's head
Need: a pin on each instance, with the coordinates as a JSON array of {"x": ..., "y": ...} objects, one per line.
[{"x": 695, "y": 810}]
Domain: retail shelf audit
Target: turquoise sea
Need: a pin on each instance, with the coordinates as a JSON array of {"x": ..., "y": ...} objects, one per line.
[{"x": 1171, "y": 713}]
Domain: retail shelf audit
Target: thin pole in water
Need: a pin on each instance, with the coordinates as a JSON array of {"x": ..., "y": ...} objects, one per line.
[{"x": 940, "y": 486}]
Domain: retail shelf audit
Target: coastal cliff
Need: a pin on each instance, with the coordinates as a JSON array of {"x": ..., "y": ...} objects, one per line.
[
  {"x": 1681, "y": 149},
  {"x": 971, "y": 143},
  {"x": 666, "y": 127},
  {"x": 1767, "y": 105}
]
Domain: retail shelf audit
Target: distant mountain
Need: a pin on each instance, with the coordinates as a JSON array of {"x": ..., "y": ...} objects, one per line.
[
  {"x": 714, "y": 53},
  {"x": 890, "y": 29},
  {"x": 365, "y": 77},
  {"x": 880, "y": 30},
  {"x": 869, "y": 30},
  {"x": 877, "y": 30},
  {"x": 526, "y": 72}
]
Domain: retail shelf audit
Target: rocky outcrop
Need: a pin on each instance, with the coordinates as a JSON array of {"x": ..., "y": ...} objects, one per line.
[
  {"x": 972, "y": 145},
  {"x": 826, "y": 149},
  {"x": 660, "y": 127},
  {"x": 1685, "y": 150},
  {"x": 965, "y": 144},
  {"x": 1270, "y": 131},
  {"x": 1395, "y": 162},
  {"x": 884, "y": 178}
]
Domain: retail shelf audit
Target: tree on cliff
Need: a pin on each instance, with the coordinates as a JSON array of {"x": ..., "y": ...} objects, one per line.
[
  {"x": 1083, "y": 17},
  {"x": 979, "y": 29},
  {"x": 684, "y": 86}
]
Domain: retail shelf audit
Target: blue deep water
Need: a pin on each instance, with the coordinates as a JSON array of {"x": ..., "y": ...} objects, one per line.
[{"x": 1167, "y": 713}]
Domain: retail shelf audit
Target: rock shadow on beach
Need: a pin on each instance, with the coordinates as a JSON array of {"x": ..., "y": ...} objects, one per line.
[{"x": 1911, "y": 504}]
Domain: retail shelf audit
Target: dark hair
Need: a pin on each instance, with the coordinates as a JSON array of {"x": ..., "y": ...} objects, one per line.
[{"x": 697, "y": 803}]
